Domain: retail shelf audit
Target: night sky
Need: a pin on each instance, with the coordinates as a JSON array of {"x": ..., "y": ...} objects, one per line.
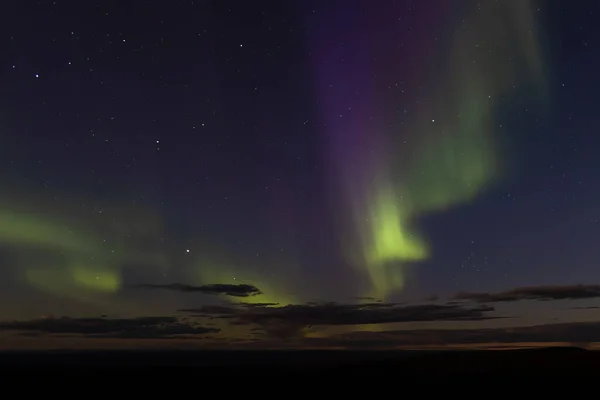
[{"x": 337, "y": 173}]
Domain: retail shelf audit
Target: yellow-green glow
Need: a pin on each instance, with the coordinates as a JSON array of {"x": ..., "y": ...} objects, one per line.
[
  {"x": 22, "y": 228},
  {"x": 62, "y": 280},
  {"x": 61, "y": 249},
  {"x": 96, "y": 278},
  {"x": 72, "y": 282},
  {"x": 63, "y": 283},
  {"x": 392, "y": 240},
  {"x": 46, "y": 241}
]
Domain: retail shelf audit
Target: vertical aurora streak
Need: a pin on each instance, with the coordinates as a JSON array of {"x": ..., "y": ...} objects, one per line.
[{"x": 444, "y": 151}]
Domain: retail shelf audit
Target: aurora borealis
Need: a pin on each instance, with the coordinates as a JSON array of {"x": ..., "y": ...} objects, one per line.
[
  {"x": 441, "y": 155},
  {"x": 327, "y": 152}
]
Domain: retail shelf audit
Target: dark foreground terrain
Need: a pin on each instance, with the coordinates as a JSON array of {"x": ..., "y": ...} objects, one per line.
[{"x": 102, "y": 365}]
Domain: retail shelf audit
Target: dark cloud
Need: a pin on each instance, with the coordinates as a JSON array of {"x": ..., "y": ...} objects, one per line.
[
  {"x": 291, "y": 320},
  {"x": 148, "y": 327},
  {"x": 253, "y": 305},
  {"x": 554, "y": 292},
  {"x": 579, "y": 334},
  {"x": 368, "y": 299},
  {"x": 215, "y": 289}
]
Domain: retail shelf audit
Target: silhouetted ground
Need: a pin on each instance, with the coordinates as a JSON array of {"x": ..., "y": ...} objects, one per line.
[{"x": 564, "y": 361}]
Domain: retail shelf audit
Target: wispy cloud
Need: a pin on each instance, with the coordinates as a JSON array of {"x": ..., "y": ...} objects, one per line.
[
  {"x": 148, "y": 327},
  {"x": 578, "y": 334},
  {"x": 292, "y": 319},
  {"x": 213, "y": 289},
  {"x": 553, "y": 292}
]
